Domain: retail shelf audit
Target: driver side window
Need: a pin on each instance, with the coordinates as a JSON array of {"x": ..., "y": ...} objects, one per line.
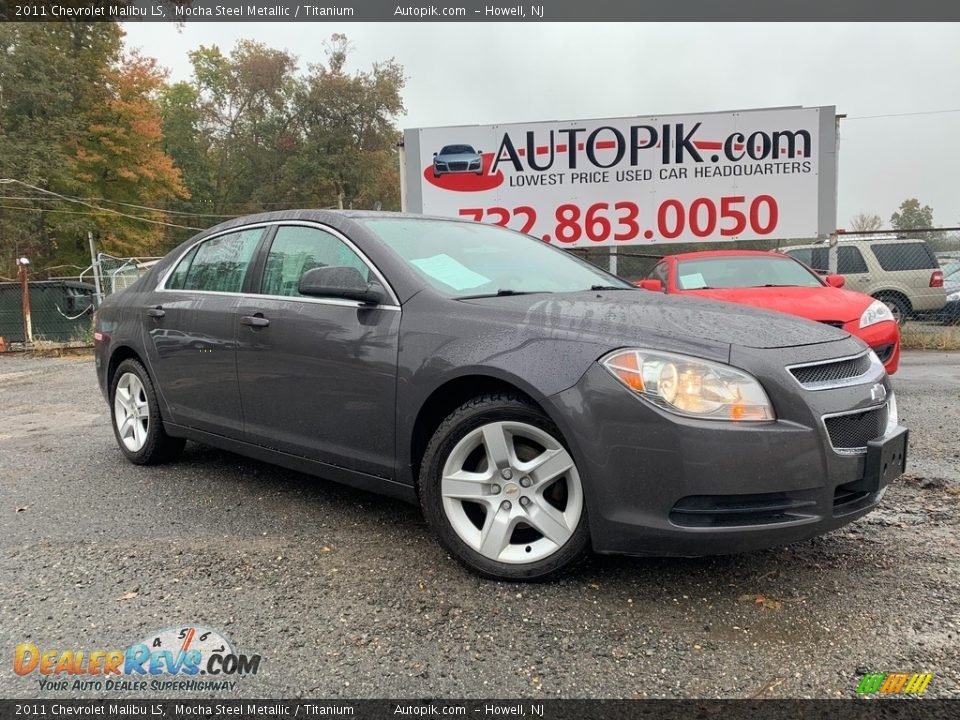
[{"x": 295, "y": 250}]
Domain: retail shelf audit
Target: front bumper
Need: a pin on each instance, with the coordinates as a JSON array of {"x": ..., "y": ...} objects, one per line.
[
  {"x": 883, "y": 338},
  {"x": 660, "y": 484}
]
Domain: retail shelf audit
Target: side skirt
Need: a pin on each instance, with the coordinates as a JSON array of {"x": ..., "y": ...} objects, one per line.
[{"x": 362, "y": 481}]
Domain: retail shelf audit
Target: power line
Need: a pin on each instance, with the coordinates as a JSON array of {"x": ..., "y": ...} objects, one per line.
[
  {"x": 8, "y": 181},
  {"x": 906, "y": 114},
  {"x": 33, "y": 198}
]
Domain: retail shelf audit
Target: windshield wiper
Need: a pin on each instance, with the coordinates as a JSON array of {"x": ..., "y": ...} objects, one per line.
[
  {"x": 611, "y": 287},
  {"x": 502, "y": 293}
]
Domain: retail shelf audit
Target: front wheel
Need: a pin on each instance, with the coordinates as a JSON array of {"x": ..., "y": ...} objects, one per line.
[
  {"x": 503, "y": 492},
  {"x": 136, "y": 417}
]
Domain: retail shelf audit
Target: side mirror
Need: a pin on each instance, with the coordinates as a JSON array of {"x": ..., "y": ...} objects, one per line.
[
  {"x": 434, "y": 154},
  {"x": 649, "y": 284},
  {"x": 340, "y": 282},
  {"x": 836, "y": 281}
]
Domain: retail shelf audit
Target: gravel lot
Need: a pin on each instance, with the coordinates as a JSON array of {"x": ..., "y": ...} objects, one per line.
[{"x": 347, "y": 594}]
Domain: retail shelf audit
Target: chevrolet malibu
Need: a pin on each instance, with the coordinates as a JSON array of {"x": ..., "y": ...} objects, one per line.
[{"x": 533, "y": 405}]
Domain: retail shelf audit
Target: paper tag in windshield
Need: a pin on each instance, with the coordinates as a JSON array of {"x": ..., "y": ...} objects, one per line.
[
  {"x": 450, "y": 272},
  {"x": 692, "y": 281}
]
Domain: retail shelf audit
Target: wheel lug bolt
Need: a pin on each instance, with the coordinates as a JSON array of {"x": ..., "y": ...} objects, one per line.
[
  {"x": 506, "y": 473},
  {"x": 525, "y": 501},
  {"x": 525, "y": 481},
  {"x": 495, "y": 489},
  {"x": 505, "y": 505}
]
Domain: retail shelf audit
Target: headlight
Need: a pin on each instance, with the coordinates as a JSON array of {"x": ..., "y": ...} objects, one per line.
[
  {"x": 690, "y": 386},
  {"x": 877, "y": 312}
]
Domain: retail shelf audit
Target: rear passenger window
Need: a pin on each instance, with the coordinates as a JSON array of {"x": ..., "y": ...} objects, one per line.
[
  {"x": 218, "y": 265},
  {"x": 905, "y": 256},
  {"x": 297, "y": 249},
  {"x": 179, "y": 276},
  {"x": 850, "y": 261}
]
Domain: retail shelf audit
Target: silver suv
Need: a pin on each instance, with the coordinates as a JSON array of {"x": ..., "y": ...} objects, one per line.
[{"x": 902, "y": 272}]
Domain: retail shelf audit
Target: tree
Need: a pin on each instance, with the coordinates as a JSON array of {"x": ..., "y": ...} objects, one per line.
[
  {"x": 866, "y": 222},
  {"x": 121, "y": 157},
  {"x": 51, "y": 78},
  {"x": 347, "y": 154},
  {"x": 912, "y": 216},
  {"x": 245, "y": 100}
]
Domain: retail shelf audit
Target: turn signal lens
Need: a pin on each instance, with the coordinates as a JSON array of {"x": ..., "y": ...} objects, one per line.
[{"x": 691, "y": 386}]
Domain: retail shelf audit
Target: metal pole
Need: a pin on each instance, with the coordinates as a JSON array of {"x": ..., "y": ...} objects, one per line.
[
  {"x": 613, "y": 261},
  {"x": 22, "y": 265},
  {"x": 832, "y": 254},
  {"x": 402, "y": 158},
  {"x": 95, "y": 264}
]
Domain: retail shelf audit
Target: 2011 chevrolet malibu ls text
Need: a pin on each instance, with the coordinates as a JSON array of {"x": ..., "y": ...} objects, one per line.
[{"x": 534, "y": 405}]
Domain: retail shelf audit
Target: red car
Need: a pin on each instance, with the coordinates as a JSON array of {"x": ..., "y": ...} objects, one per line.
[{"x": 778, "y": 282}]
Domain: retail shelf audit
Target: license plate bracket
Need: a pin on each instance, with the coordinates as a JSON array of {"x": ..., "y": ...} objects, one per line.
[{"x": 886, "y": 460}]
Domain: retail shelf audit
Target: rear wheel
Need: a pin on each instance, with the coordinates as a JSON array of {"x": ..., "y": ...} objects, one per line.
[
  {"x": 136, "y": 417},
  {"x": 899, "y": 306},
  {"x": 502, "y": 491}
]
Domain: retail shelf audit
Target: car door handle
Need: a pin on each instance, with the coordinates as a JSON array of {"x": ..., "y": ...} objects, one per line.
[
  {"x": 256, "y": 321},
  {"x": 156, "y": 312}
]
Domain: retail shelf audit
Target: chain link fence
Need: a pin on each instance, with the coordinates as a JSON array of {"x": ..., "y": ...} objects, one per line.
[
  {"x": 917, "y": 274},
  {"x": 61, "y": 308}
]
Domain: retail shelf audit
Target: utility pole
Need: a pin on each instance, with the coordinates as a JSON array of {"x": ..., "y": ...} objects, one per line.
[
  {"x": 95, "y": 264},
  {"x": 22, "y": 265}
]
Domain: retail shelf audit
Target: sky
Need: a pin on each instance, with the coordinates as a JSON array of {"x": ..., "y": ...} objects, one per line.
[{"x": 486, "y": 73}]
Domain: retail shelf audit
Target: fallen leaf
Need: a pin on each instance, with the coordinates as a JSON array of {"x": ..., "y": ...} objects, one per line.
[
  {"x": 761, "y": 600},
  {"x": 22, "y": 508},
  {"x": 128, "y": 596}
]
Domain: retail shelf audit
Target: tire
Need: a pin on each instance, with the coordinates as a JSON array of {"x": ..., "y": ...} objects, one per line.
[
  {"x": 135, "y": 416},
  {"x": 495, "y": 515},
  {"x": 898, "y": 305}
]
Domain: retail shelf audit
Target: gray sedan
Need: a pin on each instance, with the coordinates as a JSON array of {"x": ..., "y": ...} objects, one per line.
[{"x": 533, "y": 405}]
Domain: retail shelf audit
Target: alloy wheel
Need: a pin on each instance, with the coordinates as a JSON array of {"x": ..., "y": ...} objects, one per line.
[
  {"x": 511, "y": 492},
  {"x": 131, "y": 412}
]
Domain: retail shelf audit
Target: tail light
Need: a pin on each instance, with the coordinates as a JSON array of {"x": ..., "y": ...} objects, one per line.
[{"x": 936, "y": 278}]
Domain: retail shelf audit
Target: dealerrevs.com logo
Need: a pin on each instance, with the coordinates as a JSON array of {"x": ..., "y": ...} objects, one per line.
[{"x": 189, "y": 659}]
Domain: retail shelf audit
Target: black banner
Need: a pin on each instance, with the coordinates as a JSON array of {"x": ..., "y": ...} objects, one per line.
[
  {"x": 471, "y": 11},
  {"x": 879, "y": 709}
]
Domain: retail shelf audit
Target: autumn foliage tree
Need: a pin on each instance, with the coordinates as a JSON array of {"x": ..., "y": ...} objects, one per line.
[
  {"x": 249, "y": 131},
  {"x": 121, "y": 157}
]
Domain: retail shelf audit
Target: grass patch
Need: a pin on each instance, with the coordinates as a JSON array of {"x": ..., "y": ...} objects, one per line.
[{"x": 917, "y": 337}]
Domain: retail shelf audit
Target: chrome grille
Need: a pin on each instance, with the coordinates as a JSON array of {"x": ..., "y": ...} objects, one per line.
[
  {"x": 829, "y": 372},
  {"x": 851, "y": 432}
]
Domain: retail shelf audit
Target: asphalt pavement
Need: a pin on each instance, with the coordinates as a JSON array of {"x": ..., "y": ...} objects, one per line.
[{"x": 346, "y": 594}]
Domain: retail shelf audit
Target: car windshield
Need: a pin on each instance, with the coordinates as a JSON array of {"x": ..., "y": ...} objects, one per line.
[
  {"x": 743, "y": 271},
  {"x": 461, "y": 259},
  {"x": 456, "y": 149}
]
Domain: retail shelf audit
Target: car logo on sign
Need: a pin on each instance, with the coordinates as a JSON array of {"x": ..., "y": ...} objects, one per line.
[{"x": 878, "y": 393}]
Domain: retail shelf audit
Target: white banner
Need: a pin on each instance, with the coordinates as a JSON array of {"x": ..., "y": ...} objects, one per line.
[{"x": 757, "y": 174}]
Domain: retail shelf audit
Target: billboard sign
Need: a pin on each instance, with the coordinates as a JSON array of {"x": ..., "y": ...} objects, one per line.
[{"x": 746, "y": 175}]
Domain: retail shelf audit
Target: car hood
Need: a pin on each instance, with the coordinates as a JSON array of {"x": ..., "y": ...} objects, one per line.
[
  {"x": 820, "y": 304},
  {"x": 633, "y": 316}
]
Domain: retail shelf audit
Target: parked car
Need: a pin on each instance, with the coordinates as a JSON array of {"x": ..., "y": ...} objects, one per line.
[
  {"x": 951, "y": 285},
  {"x": 902, "y": 272},
  {"x": 777, "y": 282},
  {"x": 533, "y": 405},
  {"x": 457, "y": 159}
]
